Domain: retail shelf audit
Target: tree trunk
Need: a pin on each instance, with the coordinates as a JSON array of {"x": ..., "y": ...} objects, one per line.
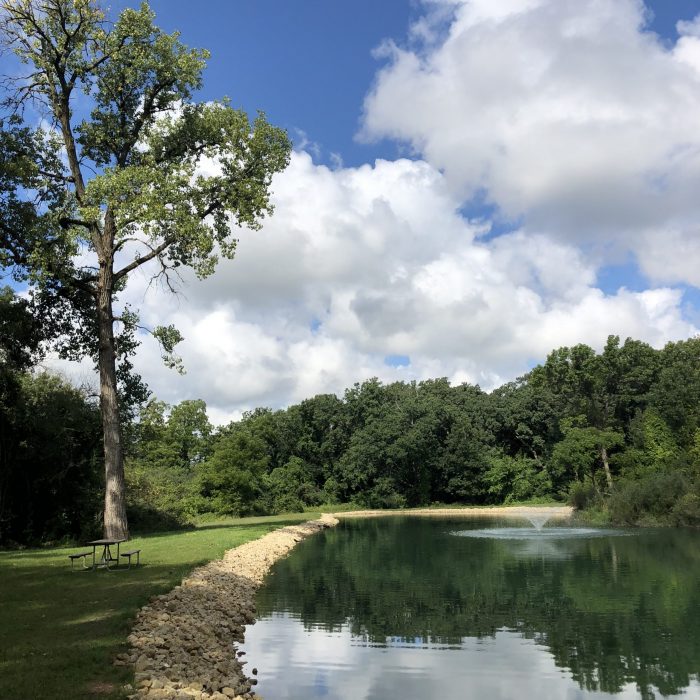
[
  {"x": 606, "y": 467},
  {"x": 115, "y": 523}
]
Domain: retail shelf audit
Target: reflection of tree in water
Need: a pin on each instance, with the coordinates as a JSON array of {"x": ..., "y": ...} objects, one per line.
[{"x": 611, "y": 610}]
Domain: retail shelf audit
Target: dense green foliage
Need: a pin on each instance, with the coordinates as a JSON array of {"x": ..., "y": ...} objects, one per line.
[
  {"x": 617, "y": 432},
  {"x": 49, "y": 440}
]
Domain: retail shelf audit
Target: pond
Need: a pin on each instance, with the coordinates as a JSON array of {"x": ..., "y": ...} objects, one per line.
[{"x": 410, "y": 607}]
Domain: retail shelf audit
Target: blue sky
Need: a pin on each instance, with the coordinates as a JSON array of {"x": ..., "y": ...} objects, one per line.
[
  {"x": 309, "y": 63},
  {"x": 475, "y": 183}
]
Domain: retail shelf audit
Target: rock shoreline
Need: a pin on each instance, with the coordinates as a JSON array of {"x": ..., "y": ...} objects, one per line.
[{"x": 183, "y": 644}]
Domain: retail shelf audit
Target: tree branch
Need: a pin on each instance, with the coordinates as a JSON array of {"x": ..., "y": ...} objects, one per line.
[
  {"x": 155, "y": 252},
  {"x": 67, "y": 222}
]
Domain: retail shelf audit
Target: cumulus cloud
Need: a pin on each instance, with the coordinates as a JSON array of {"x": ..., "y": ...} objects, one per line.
[
  {"x": 358, "y": 264},
  {"x": 568, "y": 114}
]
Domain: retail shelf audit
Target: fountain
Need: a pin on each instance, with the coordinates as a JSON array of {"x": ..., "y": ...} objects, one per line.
[
  {"x": 538, "y": 521},
  {"x": 538, "y": 518}
]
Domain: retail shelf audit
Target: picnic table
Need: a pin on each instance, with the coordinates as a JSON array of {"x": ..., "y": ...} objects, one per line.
[{"x": 106, "y": 556}]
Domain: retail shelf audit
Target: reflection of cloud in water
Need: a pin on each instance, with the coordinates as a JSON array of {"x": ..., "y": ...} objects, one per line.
[{"x": 297, "y": 662}]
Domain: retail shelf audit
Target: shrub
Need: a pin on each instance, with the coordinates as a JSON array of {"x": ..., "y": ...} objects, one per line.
[
  {"x": 382, "y": 495},
  {"x": 687, "y": 510},
  {"x": 652, "y": 499},
  {"x": 582, "y": 494}
]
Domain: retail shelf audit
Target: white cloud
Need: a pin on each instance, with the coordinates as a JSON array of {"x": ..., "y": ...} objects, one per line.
[
  {"x": 671, "y": 256},
  {"x": 361, "y": 263},
  {"x": 567, "y": 113}
]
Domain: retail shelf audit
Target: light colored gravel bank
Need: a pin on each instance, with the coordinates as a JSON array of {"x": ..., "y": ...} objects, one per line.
[
  {"x": 550, "y": 512},
  {"x": 183, "y": 644}
]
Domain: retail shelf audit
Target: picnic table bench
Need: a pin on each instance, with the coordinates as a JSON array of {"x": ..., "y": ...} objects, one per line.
[
  {"x": 130, "y": 554},
  {"x": 107, "y": 557},
  {"x": 78, "y": 555}
]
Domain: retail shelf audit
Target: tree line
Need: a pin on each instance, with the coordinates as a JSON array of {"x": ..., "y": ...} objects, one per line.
[
  {"x": 102, "y": 144},
  {"x": 616, "y": 433}
]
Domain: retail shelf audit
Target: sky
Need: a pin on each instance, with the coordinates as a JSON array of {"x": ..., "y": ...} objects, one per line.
[{"x": 474, "y": 183}]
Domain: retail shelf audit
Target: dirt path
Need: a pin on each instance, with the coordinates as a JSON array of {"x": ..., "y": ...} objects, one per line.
[{"x": 550, "y": 512}]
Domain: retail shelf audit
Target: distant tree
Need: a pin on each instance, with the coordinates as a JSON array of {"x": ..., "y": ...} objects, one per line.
[
  {"x": 149, "y": 176},
  {"x": 676, "y": 393},
  {"x": 232, "y": 479},
  {"x": 289, "y": 487},
  {"x": 189, "y": 430},
  {"x": 584, "y": 450},
  {"x": 600, "y": 393},
  {"x": 516, "y": 479},
  {"x": 528, "y": 424},
  {"x": 20, "y": 338}
]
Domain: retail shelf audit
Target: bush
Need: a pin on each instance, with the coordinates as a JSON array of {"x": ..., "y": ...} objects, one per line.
[
  {"x": 159, "y": 498},
  {"x": 687, "y": 510},
  {"x": 290, "y": 487},
  {"x": 382, "y": 495},
  {"x": 657, "y": 498},
  {"x": 145, "y": 518},
  {"x": 582, "y": 495}
]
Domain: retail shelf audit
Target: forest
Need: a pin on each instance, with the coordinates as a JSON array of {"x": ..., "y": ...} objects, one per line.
[{"x": 615, "y": 433}]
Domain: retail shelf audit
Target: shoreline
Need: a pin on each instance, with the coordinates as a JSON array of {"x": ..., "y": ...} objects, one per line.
[
  {"x": 551, "y": 512},
  {"x": 184, "y": 642}
]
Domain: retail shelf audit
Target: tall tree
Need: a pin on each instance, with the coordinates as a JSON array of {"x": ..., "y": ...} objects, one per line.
[{"x": 149, "y": 176}]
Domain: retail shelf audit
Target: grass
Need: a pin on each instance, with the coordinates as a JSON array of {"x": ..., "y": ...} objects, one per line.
[{"x": 60, "y": 631}]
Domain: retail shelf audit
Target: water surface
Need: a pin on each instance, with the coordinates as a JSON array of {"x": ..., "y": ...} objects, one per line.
[{"x": 453, "y": 608}]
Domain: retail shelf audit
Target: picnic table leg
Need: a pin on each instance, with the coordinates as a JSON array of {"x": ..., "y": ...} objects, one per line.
[{"x": 94, "y": 563}]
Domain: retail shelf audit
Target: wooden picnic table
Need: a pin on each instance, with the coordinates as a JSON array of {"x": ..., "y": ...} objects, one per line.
[{"x": 106, "y": 556}]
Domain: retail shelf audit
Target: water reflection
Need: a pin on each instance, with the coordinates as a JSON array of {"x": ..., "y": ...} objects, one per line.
[{"x": 390, "y": 608}]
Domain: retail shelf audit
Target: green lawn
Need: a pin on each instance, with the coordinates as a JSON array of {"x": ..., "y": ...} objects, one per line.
[{"x": 59, "y": 631}]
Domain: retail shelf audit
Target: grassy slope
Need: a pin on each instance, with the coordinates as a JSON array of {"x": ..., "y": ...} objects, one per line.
[{"x": 59, "y": 631}]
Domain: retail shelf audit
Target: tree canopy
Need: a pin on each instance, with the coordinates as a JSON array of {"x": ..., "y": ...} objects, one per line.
[{"x": 144, "y": 175}]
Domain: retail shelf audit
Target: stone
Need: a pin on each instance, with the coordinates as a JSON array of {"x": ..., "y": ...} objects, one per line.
[
  {"x": 143, "y": 663},
  {"x": 189, "y": 630}
]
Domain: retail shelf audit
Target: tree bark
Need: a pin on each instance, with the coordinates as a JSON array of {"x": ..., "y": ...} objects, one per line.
[
  {"x": 115, "y": 522},
  {"x": 606, "y": 467}
]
